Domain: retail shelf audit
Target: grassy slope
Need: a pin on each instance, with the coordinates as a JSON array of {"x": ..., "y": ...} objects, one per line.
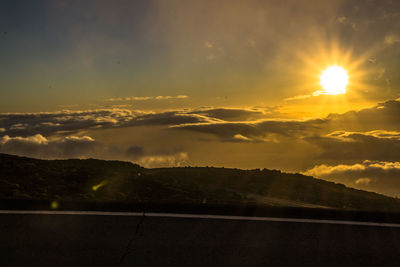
[{"x": 98, "y": 180}]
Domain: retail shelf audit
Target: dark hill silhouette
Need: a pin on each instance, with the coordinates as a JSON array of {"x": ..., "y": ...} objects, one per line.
[{"x": 99, "y": 180}]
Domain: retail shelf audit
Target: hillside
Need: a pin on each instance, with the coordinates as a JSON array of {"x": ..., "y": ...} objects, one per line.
[{"x": 99, "y": 180}]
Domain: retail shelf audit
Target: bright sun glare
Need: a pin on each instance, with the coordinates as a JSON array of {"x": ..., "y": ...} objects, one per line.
[{"x": 334, "y": 80}]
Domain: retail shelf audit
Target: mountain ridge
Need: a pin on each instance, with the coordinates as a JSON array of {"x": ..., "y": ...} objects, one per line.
[{"x": 110, "y": 180}]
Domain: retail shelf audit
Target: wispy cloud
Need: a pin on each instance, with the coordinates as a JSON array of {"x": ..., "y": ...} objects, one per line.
[
  {"x": 298, "y": 97},
  {"x": 144, "y": 98},
  {"x": 301, "y": 97}
]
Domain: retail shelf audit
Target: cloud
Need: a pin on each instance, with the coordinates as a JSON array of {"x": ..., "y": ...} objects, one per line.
[
  {"x": 67, "y": 121},
  {"x": 298, "y": 97},
  {"x": 171, "y": 160},
  {"x": 301, "y": 97},
  {"x": 41, "y": 147},
  {"x": 47, "y": 123},
  {"x": 169, "y": 118},
  {"x": 241, "y": 137},
  {"x": 50, "y": 123},
  {"x": 379, "y": 176},
  {"x": 363, "y": 181},
  {"x": 222, "y": 122},
  {"x": 261, "y": 130},
  {"x": 392, "y": 39},
  {"x": 338, "y": 139},
  {"x": 144, "y": 98},
  {"x": 38, "y": 146},
  {"x": 156, "y": 159},
  {"x": 372, "y": 133},
  {"x": 342, "y": 145},
  {"x": 352, "y": 136},
  {"x": 231, "y": 114},
  {"x": 384, "y": 115}
]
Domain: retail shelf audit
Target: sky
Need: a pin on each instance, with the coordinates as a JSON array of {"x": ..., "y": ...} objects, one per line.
[{"x": 206, "y": 83}]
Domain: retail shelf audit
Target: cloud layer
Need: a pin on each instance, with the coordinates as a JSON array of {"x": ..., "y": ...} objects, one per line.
[
  {"x": 330, "y": 147},
  {"x": 41, "y": 147},
  {"x": 224, "y": 123},
  {"x": 373, "y": 145},
  {"x": 379, "y": 176}
]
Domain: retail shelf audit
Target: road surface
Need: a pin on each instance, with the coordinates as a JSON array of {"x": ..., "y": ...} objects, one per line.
[{"x": 85, "y": 239}]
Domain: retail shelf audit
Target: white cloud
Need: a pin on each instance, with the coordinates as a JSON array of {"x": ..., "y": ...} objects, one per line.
[
  {"x": 241, "y": 137},
  {"x": 324, "y": 170},
  {"x": 36, "y": 139},
  {"x": 379, "y": 176},
  {"x": 363, "y": 181},
  {"x": 171, "y": 160},
  {"x": 41, "y": 147}
]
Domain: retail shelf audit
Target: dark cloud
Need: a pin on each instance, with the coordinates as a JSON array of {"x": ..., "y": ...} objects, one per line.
[
  {"x": 50, "y": 123},
  {"x": 73, "y": 121},
  {"x": 343, "y": 146},
  {"x": 168, "y": 119},
  {"x": 262, "y": 130},
  {"x": 384, "y": 116},
  {"x": 379, "y": 176},
  {"x": 371, "y": 133}
]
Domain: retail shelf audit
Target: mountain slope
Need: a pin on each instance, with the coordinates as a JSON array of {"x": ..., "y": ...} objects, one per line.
[{"x": 99, "y": 180}]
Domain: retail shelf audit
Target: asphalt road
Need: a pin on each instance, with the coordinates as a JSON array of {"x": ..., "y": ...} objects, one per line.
[{"x": 87, "y": 240}]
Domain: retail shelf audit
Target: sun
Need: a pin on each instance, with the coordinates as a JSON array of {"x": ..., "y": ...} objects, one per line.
[{"x": 334, "y": 80}]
